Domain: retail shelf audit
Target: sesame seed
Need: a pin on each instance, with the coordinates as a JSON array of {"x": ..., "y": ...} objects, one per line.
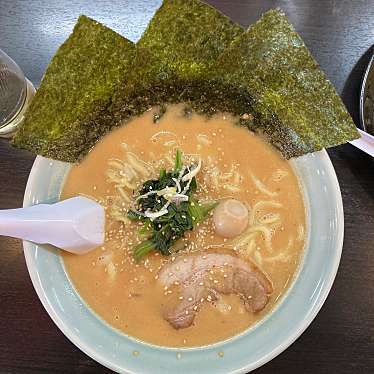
[
  {"x": 201, "y": 284},
  {"x": 220, "y": 354},
  {"x": 180, "y": 297},
  {"x": 179, "y": 356},
  {"x": 202, "y": 300},
  {"x": 225, "y": 275},
  {"x": 186, "y": 312},
  {"x": 169, "y": 291},
  {"x": 215, "y": 281},
  {"x": 190, "y": 299},
  {"x": 176, "y": 283}
]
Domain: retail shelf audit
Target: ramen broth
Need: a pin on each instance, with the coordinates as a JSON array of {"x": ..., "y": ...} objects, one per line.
[{"x": 235, "y": 164}]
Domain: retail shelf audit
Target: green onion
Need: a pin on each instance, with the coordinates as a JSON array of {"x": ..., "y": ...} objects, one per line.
[
  {"x": 162, "y": 173},
  {"x": 178, "y": 161},
  {"x": 142, "y": 249},
  {"x": 200, "y": 211}
]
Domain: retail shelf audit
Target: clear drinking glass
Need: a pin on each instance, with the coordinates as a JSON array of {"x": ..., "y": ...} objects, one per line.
[{"x": 16, "y": 92}]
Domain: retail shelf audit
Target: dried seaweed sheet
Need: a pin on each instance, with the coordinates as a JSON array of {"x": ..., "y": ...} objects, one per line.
[
  {"x": 266, "y": 72},
  {"x": 299, "y": 107},
  {"x": 154, "y": 77},
  {"x": 174, "y": 58},
  {"x": 266, "y": 76},
  {"x": 77, "y": 86},
  {"x": 188, "y": 36}
]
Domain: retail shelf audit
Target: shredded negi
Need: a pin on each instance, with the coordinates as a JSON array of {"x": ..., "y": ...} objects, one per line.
[{"x": 167, "y": 208}]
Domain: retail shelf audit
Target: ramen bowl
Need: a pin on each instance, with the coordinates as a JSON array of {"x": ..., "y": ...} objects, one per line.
[{"x": 239, "y": 354}]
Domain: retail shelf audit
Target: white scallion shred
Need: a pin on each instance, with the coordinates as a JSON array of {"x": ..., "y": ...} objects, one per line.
[
  {"x": 177, "y": 183},
  {"x": 146, "y": 195},
  {"x": 153, "y": 215},
  {"x": 171, "y": 194},
  {"x": 192, "y": 173}
]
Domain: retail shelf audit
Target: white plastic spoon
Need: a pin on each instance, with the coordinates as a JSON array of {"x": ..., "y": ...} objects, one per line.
[
  {"x": 365, "y": 143},
  {"x": 76, "y": 224}
]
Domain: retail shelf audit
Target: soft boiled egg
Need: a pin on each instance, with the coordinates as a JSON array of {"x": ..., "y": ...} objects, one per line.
[{"x": 230, "y": 218}]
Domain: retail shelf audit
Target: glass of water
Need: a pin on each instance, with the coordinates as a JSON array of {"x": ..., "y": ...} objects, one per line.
[{"x": 16, "y": 92}]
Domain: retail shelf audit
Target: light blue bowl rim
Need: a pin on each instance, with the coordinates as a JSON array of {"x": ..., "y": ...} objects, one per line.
[{"x": 242, "y": 353}]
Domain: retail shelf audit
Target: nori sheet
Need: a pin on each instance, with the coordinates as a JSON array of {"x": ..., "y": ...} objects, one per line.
[
  {"x": 266, "y": 76},
  {"x": 300, "y": 109},
  {"x": 164, "y": 70},
  {"x": 267, "y": 72},
  {"x": 188, "y": 36},
  {"x": 153, "y": 78},
  {"x": 75, "y": 90},
  {"x": 153, "y": 83}
]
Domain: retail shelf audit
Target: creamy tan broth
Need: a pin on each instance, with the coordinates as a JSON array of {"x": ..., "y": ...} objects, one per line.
[{"x": 235, "y": 163}]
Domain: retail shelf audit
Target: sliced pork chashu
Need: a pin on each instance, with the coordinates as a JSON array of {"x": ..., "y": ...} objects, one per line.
[{"x": 197, "y": 278}]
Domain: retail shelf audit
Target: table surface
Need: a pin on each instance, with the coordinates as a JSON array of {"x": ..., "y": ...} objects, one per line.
[{"x": 340, "y": 34}]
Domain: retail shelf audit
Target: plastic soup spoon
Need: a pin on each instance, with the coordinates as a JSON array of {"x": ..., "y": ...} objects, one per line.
[
  {"x": 365, "y": 143},
  {"x": 75, "y": 225}
]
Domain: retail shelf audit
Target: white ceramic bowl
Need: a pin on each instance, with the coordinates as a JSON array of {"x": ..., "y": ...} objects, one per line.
[{"x": 242, "y": 353}]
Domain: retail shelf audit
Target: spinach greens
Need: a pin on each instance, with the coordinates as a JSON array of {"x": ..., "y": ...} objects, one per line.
[{"x": 167, "y": 208}]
